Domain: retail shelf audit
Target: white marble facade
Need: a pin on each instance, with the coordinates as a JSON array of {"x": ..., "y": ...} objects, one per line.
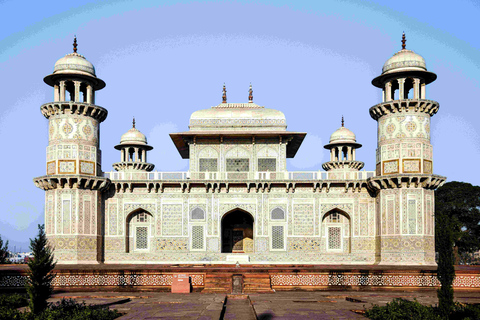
[{"x": 237, "y": 201}]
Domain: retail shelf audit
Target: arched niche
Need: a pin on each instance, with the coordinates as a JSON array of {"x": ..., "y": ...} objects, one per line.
[
  {"x": 139, "y": 227},
  {"x": 336, "y": 229}
]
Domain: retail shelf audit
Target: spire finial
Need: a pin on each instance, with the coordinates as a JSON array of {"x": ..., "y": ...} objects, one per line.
[
  {"x": 75, "y": 43},
  {"x": 250, "y": 94},
  {"x": 403, "y": 40},
  {"x": 224, "y": 95},
  {"x": 133, "y": 122},
  {"x": 342, "y": 121}
]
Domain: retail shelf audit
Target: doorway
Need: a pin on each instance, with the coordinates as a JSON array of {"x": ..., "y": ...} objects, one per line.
[{"x": 237, "y": 232}]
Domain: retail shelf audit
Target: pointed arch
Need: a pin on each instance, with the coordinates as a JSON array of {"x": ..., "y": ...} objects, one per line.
[{"x": 237, "y": 231}]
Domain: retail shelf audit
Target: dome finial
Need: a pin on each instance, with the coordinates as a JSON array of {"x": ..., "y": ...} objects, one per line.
[
  {"x": 224, "y": 95},
  {"x": 133, "y": 122},
  {"x": 342, "y": 121},
  {"x": 75, "y": 43},
  {"x": 250, "y": 94},
  {"x": 403, "y": 40}
]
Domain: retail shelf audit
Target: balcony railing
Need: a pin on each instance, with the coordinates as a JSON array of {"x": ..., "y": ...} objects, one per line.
[{"x": 292, "y": 175}]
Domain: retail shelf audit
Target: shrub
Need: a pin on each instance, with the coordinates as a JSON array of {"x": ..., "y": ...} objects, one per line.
[
  {"x": 400, "y": 309},
  {"x": 14, "y": 300},
  {"x": 72, "y": 310},
  {"x": 64, "y": 309}
]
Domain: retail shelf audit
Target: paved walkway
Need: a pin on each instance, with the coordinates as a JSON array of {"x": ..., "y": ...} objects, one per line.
[{"x": 279, "y": 305}]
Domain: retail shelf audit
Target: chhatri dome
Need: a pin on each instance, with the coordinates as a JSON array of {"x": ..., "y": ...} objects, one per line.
[
  {"x": 132, "y": 137},
  {"x": 404, "y": 61},
  {"x": 74, "y": 64},
  {"x": 343, "y": 136}
]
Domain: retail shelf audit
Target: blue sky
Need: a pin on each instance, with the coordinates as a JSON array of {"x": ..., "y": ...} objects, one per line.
[{"x": 162, "y": 60}]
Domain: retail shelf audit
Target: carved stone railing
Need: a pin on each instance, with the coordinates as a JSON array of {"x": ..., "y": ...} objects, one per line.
[
  {"x": 405, "y": 105},
  {"x": 248, "y": 176},
  {"x": 74, "y": 107}
]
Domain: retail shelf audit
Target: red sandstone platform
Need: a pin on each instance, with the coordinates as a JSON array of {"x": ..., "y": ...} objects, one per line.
[{"x": 228, "y": 278}]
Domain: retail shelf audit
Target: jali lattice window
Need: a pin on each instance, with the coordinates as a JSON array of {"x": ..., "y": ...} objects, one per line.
[
  {"x": 238, "y": 165},
  {"x": 277, "y": 238},
  {"x": 141, "y": 238},
  {"x": 278, "y": 214},
  {"x": 197, "y": 214},
  {"x": 334, "y": 238},
  {"x": 142, "y": 217},
  {"x": 197, "y": 237},
  {"x": 267, "y": 164},
  {"x": 208, "y": 165}
]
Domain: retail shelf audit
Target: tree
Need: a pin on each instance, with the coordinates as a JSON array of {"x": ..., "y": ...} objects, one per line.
[
  {"x": 461, "y": 202},
  {"x": 456, "y": 232},
  {"x": 3, "y": 251},
  {"x": 39, "y": 286},
  {"x": 446, "y": 269}
]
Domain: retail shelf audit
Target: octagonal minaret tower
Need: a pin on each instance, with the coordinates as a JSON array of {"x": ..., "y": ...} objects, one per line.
[
  {"x": 74, "y": 179},
  {"x": 404, "y": 180}
]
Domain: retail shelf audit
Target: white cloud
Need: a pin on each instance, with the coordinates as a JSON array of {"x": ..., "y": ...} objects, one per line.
[{"x": 18, "y": 211}]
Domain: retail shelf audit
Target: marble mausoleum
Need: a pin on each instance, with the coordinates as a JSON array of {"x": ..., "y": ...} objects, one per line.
[{"x": 237, "y": 203}]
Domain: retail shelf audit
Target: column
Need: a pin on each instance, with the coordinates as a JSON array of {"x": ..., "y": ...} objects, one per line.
[
  {"x": 401, "y": 88},
  {"x": 388, "y": 91},
  {"x": 77, "y": 91},
  {"x": 122, "y": 155},
  {"x": 423, "y": 93},
  {"x": 332, "y": 154},
  {"x": 136, "y": 154},
  {"x": 62, "y": 90},
  {"x": 349, "y": 153},
  {"x": 353, "y": 154},
  {"x": 416, "y": 88},
  {"x": 89, "y": 93},
  {"x": 56, "y": 92},
  {"x": 144, "y": 155}
]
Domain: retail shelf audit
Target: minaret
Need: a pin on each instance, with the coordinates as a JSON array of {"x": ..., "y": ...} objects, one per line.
[
  {"x": 342, "y": 146},
  {"x": 133, "y": 146},
  {"x": 404, "y": 181},
  {"x": 74, "y": 181}
]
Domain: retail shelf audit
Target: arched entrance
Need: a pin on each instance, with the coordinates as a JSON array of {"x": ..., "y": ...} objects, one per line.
[{"x": 237, "y": 232}]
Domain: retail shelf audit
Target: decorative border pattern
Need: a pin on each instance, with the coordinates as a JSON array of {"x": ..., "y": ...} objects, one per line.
[{"x": 383, "y": 280}]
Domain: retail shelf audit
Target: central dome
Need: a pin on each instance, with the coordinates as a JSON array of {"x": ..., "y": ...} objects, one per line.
[{"x": 238, "y": 117}]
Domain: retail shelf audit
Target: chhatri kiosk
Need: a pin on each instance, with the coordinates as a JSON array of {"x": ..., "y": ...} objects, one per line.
[{"x": 238, "y": 205}]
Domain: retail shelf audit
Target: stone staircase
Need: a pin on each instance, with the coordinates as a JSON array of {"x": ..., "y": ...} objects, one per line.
[
  {"x": 218, "y": 283},
  {"x": 256, "y": 283}
]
